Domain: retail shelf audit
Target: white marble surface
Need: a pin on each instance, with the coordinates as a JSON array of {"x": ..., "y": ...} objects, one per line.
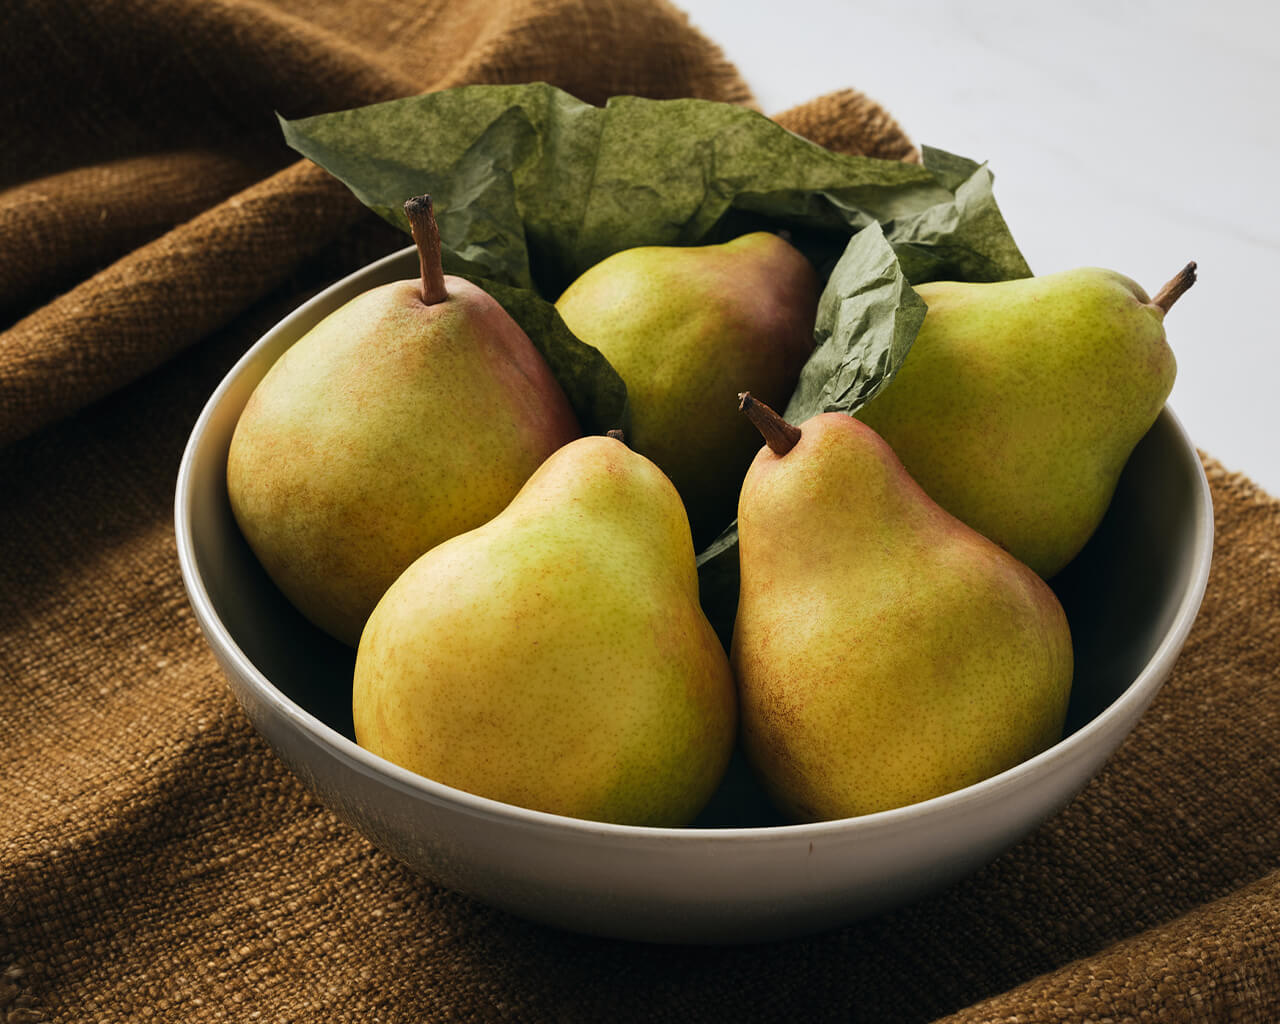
[{"x": 1122, "y": 133}]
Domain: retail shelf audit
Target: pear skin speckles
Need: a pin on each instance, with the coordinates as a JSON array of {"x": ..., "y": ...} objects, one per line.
[
  {"x": 557, "y": 657},
  {"x": 885, "y": 652}
]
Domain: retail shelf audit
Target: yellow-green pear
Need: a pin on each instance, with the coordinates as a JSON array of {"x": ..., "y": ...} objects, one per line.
[
  {"x": 556, "y": 657},
  {"x": 687, "y": 328},
  {"x": 885, "y": 653},
  {"x": 409, "y": 415},
  {"x": 1020, "y": 402}
]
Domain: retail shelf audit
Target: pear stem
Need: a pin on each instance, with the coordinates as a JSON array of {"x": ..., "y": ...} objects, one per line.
[
  {"x": 1170, "y": 293},
  {"x": 778, "y": 434},
  {"x": 617, "y": 435},
  {"x": 426, "y": 235}
]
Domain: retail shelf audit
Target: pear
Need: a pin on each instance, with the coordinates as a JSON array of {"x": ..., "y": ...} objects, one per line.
[
  {"x": 687, "y": 328},
  {"x": 885, "y": 652},
  {"x": 556, "y": 657},
  {"x": 1020, "y": 402},
  {"x": 413, "y": 413}
]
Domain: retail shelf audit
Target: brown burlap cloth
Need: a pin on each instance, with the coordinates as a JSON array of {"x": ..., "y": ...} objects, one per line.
[{"x": 156, "y": 861}]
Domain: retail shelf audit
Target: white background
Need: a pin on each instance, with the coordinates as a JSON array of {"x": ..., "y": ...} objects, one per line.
[{"x": 1129, "y": 135}]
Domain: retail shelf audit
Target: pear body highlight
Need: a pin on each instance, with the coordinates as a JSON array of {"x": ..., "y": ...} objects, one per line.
[
  {"x": 1020, "y": 402},
  {"x": 885, "y": 652},
  {"x": 556, "y": 657},
  {"x": 389, "y": 427},
  {"x": 688, "y": 328}
]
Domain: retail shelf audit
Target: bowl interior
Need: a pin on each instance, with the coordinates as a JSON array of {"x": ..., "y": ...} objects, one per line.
[{"x": 1142, "y": 572}]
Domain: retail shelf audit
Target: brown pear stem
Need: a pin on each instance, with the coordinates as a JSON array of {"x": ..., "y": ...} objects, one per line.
[
  {"x": 422, "y": 223},
  {"x": 1170, "y": 293},
  {"x": 617, "y": 435},
  {"x": 778, "y": 434}
]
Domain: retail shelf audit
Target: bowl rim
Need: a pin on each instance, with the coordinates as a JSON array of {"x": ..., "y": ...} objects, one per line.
[{"x": 1130, "y": 702}]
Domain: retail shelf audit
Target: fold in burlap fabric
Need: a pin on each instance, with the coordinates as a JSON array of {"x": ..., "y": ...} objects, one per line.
[{"x": 156, "y": 862}]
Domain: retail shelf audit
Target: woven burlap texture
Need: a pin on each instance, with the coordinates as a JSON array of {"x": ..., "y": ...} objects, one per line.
[{"x": 157, "y": 862}]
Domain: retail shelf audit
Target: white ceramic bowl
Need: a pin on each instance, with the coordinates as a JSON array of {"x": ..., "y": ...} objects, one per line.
[{"x": 739, "y": 875}]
